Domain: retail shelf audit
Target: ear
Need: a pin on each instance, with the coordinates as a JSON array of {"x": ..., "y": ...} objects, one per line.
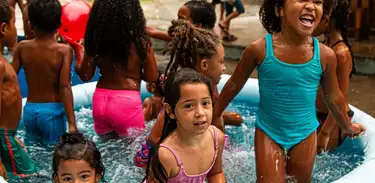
[
  {"x": 30, "y": 26},
  {"x": 279, "y": 12},
  {"x": 97, "y": 178},
  {"x": 169, "y": 111},
  {"x": 3, "y": 27},
  {"x": 198, "y": 25},
  {"x": 55, "y": 179},
  {"x": 203, "y": 65}
]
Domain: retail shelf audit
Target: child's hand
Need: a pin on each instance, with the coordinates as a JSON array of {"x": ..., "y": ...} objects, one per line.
[
  {"x": 78, "y": 50},
  {"x": 323, "y": 139},
  {"x": 3, "y": 171},
  {"x": 356, "y": 130},
  {"x": 73, "y": 128}
]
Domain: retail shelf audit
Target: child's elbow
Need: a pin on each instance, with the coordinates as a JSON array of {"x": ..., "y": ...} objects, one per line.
[{"x": 334, "y": 99}]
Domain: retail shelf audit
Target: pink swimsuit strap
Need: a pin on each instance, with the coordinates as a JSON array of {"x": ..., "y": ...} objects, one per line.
[{"x": 182, "y": 176}]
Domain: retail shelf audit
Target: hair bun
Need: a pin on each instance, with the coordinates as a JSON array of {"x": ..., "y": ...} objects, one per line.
[{"x": 72, "y": 138}]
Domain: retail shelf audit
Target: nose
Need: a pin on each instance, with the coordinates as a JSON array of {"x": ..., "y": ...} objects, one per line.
[
  {"x": 224, "y": 68},
  {"x": 199, "y": 111},
  {"x": 310, "y": 6}
]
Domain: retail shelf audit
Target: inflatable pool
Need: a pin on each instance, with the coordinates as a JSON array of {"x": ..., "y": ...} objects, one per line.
[{"x": 362, "y": 174}]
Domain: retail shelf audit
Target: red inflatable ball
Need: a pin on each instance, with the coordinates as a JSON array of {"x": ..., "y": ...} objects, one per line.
[{"x": 74, "y": 18}]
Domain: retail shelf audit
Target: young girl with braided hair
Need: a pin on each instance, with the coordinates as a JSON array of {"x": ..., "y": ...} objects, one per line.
[{"x": 197, "y": 49}]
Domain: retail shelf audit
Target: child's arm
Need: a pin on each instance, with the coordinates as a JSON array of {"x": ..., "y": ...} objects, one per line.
[
  {"x": 84, "y": 65},
  {"x": 2, "y": 75},
  {"x": 65, "y": 88},
  {"x": 333, "y": 97},
  {"x": 147, "y": 109},
  {"x": 344, "y": 67},
  {"x": 150, "y": 67},
  {"x": 157, "y": 129},
  {"x": 236, "y": 82},
  {"x": 157, "y": 34},
  {"x": 216, "y": 174},
  {"x": 17, "y": 63}
]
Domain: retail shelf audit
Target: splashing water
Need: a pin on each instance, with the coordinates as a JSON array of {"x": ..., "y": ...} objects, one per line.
[{"x": 238, "y": 157}]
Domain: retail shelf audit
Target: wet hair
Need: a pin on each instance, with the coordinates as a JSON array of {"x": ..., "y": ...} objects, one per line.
[
  {"x": 4, "y": 11},
  {"x": 340, "y": 16},
  {"x": 155, "y": 170},
  {"x": 189, "y": 44},
  {"x": 45, "y": 15},
  {"x": 159, "y": 84},
  {"x": 74, "y": 146},
  {"x": 202, "y": 12},
  {"x": 270, "y": 21},
  {"x": 112, "y": 27}
]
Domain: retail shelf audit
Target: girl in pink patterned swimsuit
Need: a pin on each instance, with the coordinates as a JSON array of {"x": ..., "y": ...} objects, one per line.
[{"x": 190, "y": 149}]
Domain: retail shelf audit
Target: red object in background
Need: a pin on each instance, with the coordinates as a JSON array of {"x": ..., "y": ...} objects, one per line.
[{"x": 74, "y": 18}]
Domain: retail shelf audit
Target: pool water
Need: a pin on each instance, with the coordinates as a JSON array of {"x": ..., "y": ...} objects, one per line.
[{"x": 238, "y": 158}]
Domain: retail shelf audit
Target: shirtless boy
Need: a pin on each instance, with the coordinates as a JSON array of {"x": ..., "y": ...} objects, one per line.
[
  {"x": 13, "y": 155},
  {"x": 47, "y": 66}
]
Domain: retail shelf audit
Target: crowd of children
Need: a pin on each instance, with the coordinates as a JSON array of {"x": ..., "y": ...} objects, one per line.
[{"x": 187, "y": 140}]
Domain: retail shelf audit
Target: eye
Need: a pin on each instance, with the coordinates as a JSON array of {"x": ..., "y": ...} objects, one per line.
[
  {"x": 188, "y": 106},
  {"x": 206, "y": 103},
  {"x": 318, "y": 2},
  {"x": 85, "y": 176},
  {"x": 67, "y": 179}
]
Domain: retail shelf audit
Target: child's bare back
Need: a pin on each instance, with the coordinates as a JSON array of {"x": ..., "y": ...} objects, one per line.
[
  {"x": 42, "y": 61},
  {"x": 11, "y": 102}
]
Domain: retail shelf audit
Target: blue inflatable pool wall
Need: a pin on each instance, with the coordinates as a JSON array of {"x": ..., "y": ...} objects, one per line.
[{"x": 363, "y": 174}]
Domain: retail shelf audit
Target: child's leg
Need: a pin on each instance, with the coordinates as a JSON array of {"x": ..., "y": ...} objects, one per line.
[
  {"x": 301, "y": 159},
  {"x": 269, "y": 159},
  {"x": 230, "y": 14},
  {"x": 221, "y": 11}
]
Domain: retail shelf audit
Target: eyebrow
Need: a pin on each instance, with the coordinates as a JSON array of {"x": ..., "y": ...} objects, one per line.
[
  {"x": 65, "y": 174},
  {"x": 191, "y": 100},
  {"x": 85, "y": 171}
]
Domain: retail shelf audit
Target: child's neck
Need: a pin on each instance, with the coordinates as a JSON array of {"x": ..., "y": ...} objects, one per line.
[
  {"x": 291, "y": 38},
  {"x": 44, "y": 36},
  {"x": 189, "y": 139},
  {"x": 332, "y": 37}
]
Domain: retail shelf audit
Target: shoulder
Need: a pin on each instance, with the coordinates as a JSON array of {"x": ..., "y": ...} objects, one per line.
[
  {"x": 327, "y": 55},
  {"x": 257, "y": 49},
  {"x": 167, "y": 159},
  {"x": 23, "y": 44},
  {"x": 64, "y": 48},
  {"x": 343, "y": 55},
  {"x": 220, "y": 136}
]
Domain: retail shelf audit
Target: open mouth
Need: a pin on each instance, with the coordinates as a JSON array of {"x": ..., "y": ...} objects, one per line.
[
  {"x": 307, "y": 20},
  {"x": 200, "y": 123}
]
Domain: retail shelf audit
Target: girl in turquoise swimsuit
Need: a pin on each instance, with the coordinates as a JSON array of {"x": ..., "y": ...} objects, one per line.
[{"x": 291, "y": 64}]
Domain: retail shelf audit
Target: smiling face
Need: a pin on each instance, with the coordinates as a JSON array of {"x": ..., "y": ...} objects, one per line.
[
  {"x": 76, "y": 171},
  {"x": 194, "y": 108},
  {"x": 301, "y": 16}
]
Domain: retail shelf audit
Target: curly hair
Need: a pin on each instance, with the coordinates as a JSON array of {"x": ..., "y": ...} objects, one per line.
[
  {"x": 202, "y": 12},
  {"x": 188, "y": 45},
  {"x": 270, "y": 21},
  {"x": 45, "y": 15},
  {"x": 340, "y": 16},
  {"x": 4, "y": 11},
  {"x": 74, "y": 146},
  {"x": 112, "y": 27}
]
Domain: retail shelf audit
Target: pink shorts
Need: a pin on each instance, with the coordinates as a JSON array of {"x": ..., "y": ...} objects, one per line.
[{"x": 118, "y": 111}]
